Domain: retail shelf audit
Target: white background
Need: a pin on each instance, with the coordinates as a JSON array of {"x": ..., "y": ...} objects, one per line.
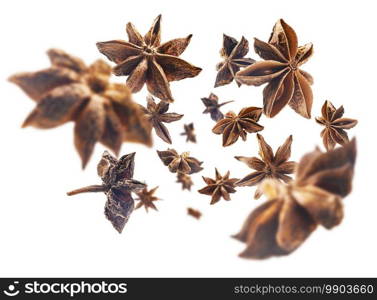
[{"x": 45, "y": 233}]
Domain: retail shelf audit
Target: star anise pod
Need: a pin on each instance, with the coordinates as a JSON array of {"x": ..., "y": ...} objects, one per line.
[
  {"x": 269, "y": 166},
  {"x": 157, "y": 114},
  {"x": 233, "y": 53},
  {"x": 117, "y": 184},
  {"x": 146, "y": 198},
  {"x": 294, "y": 211},
  {"x": 146, "y": 61},
  {"x": 71, "y": 91},
  {"x": 219, "y": 187},
  {"x": 335, "y": 125},
  {"x": 194, "y": 213},
  {"x": 287, "y": 84},
  {"x": 234, "y": 126},
  {"x": 213, "y": 107},
  {"x": 189, "y": 132},
  {"x": 185, "y": 180},
  {"x": 183, "y": 163}
]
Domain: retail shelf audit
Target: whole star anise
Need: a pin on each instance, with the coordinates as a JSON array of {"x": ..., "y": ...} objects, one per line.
[
  {"x": 233, "y": 53},
  {"x": 287, "y": 84},
  {"x": 146, "y": 198},
  {"x": 157, "y": 115},
  {"x": 189, "y": 132},
  {"x": 335, "y": 125},
  {"x": 183, "y": 163},
  {"x": 146, "y": 61},
  {"x": 185, "y": 180},
  {"x": 294, "y": 211},
  {"x": 219, "y": 187},
  {"x": 234, "y": 126},
  {"x": 117, "y": 184},
  {"x": 71, "y": 91},
  {"x": 269, "y": 166},
  {"x": 213, "y": 107}
]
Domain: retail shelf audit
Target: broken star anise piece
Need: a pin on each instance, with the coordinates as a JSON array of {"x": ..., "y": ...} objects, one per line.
[
  {"x": 189, "y": 132},
  {"x": 287, "y": 84},
  {"x": 146, "y": 198},
  {"x": 117, "y": 184},
  {"x": 185, "y": 180},
  {"x": 234, "y": 126},
  {"x": 219, "y": 187},
  {"x": 146, "y": 61},
  {"x": 293, "y": 211},
  {"x": 194, "y": 213},
  {"x": 71, "y": 91},
  {"x": 157, "y": 115},
  {"x": 183, "y": 163},
  {"x": 213, "y": 107},
  {"x": 233, "y": 53},
  {"x": 269, "y": 166},
  {"x": 335, "y": 125}
]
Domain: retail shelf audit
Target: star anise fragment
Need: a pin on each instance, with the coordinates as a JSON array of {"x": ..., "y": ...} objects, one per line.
[
  {"x": 293, "y": 211},
  {"x": 287, "y": 84},
  {"x": 146, "y": 61},
  {"x": 146, "y": 198},
  {"x": 194, "y": 213},
  {"x": 234, "y": 126},
  {"x": 71, "y": 91},
  {"x": 219, "y": 187},
  {"x": 182, "y": 163},
  {"x": 335, "y": 125},
  {"x": 117, "y": 184},
  {"x": 157, "y": 115},
  {"x": 233, "y": 53},
  {"x": 270, "y": 165},
  {"x": 185, "y": 180},
  {"x": 189, "y": 132},
  {"x": 213, "y": 107}
]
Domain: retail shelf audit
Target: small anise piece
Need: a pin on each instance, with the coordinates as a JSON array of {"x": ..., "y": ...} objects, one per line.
[
  {"x": 146, "y": 198},
  {"x": 189, "y": 132},
  {"x": 185, "y": 180},
  {"x": 194, "y": 213},
  {"x": 213, "y": 107},
  {"x": 220, "y": 187},
  {"x": 335, "y": 125},
  {"x": 233, "y": 53},
  {"x": 182, "y": 163},
  {"x": 234, "y": 126}
]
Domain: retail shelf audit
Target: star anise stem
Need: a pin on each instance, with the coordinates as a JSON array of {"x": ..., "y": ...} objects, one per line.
[{"x": 88, "y": 189}]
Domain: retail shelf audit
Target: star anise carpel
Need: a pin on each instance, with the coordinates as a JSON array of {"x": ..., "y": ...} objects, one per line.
[
  {"x": 180, "y": 163},
  {"x": 213, "y": 107},
  {"x": 194, "y": 213},
  {"x": 146, "y": 61},
  {"x": 185, "y": 180},
  {"x": 189, "y": 132},
  {"x": 234, "y": 126},
  {"x": 147, "y": 198},
  {"x": 335, "y": 125},
  {"x": 233, "y": 53},
  {"x": 287, "y": 83}
]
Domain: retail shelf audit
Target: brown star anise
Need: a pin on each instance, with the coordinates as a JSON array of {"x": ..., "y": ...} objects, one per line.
[
  {"x": 219, "y": 187},
  {"x": 183, "y": 163},
  {"x": 70, "y": 91},
  {"x": 293, "y": 211},
  {"x": 234, "y": 126},
  {"x": 157, "y": 114},
  {"x": 233, "y": 53},
  {"x": 146, "y": 60},
  {"x": 335, "y": 125},
  {"x": 189, "y": 132},
  {"x": 269, "y": 166},
  {"x": 117, "y": 184},
  {"x": 287, "y": 84},
  {"x": 185, "y": 180},
  {"x": 194, "y": 213},
  {"x": 146, "y": 198},
  {"x": 213, "y": 107}
]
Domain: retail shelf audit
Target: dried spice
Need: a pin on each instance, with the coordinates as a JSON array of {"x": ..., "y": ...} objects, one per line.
[
  {"x": 335, "y": 125},
  {"x": 234, "y": 126},
  {"x": 287, "y": 84},
  {"x": 194, "y": 213},
  {"x": 189, "y": 132},
  {"x": 117, "y": 184},
  {"x": 146, "y": 61},
  {"x": 70, "y": 91},
  {"x": 146, "y": 198},
  {"x": 185, "y": 180},
  {"x": 219, "y": 187},
  {"x": 293, "y": 211},
  {"x": 269, "y": 166},
  {"x": 233, "y": 53},
  {"x": 183, "y": 163},
  {"x": 157, "y": 115},
  {"x": 213, "y": 107}
]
